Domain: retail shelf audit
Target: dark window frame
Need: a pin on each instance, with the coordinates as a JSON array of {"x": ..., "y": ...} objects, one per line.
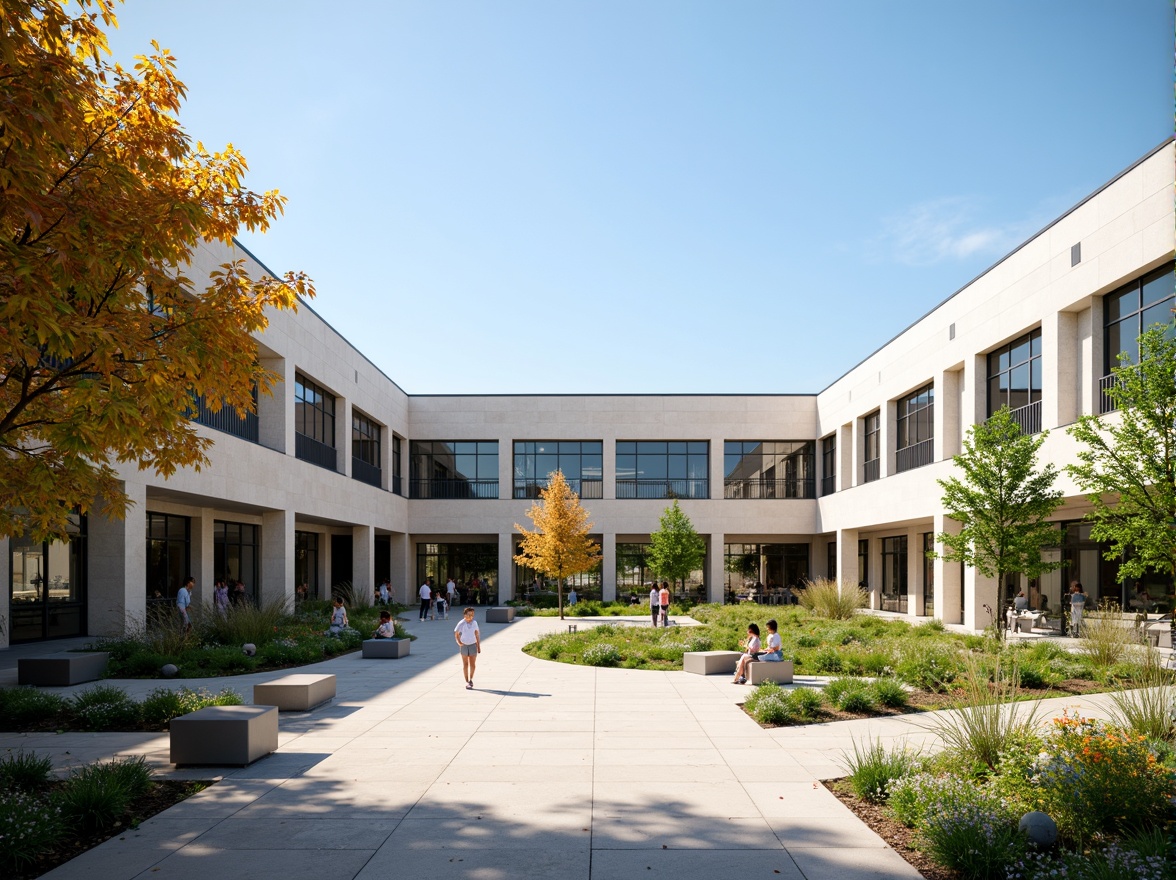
[
  {"x": 770, "y": 468},
  {"x": 915, "y": 429},
  {"x": 441, "y": 477},
  {"x": 871, "y": 436},
  {"x": 829, "y": 464},
  {"x": 528, "y": 481},
  {"x": 644, "y": 472}
]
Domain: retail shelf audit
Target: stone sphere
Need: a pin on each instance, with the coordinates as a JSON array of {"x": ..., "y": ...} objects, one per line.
[
  {"x": 169, "y": 670},
  {"x": 249, "y": 649},
  {"x": 1040, "y": 829}
]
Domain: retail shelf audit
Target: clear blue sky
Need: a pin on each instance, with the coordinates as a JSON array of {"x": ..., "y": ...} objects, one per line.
[{"x": 640, "y": 196}]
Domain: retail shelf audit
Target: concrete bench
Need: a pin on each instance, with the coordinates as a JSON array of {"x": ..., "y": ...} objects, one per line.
[
  {"x": 385, "y": 649},
  {"x": 710, "y": 662},
  {"x": 224, "y": 735},
  {"x": 61, "y": 669},
  {"x": 761, "y": 671},
  {"x": 503, "y": 614},
  {"x": 295, "y": 693}
]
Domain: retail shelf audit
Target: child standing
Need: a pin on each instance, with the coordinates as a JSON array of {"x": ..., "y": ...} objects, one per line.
[{"x": 469, "y": 645}]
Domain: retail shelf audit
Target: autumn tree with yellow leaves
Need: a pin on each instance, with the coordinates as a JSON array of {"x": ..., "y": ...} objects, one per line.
[
  {"x": 559, "y": 547},
  {"x": 104, "y": 340}
]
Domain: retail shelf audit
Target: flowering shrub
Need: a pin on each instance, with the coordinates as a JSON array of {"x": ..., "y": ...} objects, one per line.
[
  {"x": 29, "y": 826},
  {"x": 908, "y": 796},
  {"x": 602, "y": 654},
  {"x": 968, "y": 827},
  {"x": 104, "y": 707},
  {"x": 1113, "y": 863}
]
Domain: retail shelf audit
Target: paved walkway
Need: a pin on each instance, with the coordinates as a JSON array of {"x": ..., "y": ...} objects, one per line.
[{"x": 545, "y": 770}]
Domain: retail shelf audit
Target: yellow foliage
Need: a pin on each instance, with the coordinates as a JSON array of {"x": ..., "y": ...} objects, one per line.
[
  {"x": 104, "y": 340},
  {"x": 559, "y": 546}
]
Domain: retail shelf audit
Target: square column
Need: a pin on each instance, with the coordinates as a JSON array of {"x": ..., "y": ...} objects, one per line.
[
  {"x": 888, "y": 438},
  {"x": 277, "y": 557},
  {"x": 117, "y": 551},
  {"x": 845, "y": 458},
  {"x": 948, "y": 581},
  {"x": 915, "y": 572},
  {"x": 978, "y": 592},
  {"x": 402, "y": 576},
  {"x": 1092, "y": 358},
  {"x": 847, "y": 556},
  {"x": 275, "y": 411},
  {"x": 608, "y": 567},
  {"x": 204, "y": 555},
  {"x": 506, "y": 566},
  {"x": 948, "y": 441},
  {"x": 715, "y": 570},
  {"x": 1061, "y": 379},
  {"x": 363, "y": 557}
]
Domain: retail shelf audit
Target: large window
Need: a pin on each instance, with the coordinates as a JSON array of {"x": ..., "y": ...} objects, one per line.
[
  {"x": 306, "y": 579},
  {"x": 916, "y": 429},
  {"x": 235, "y": 553},
  {"x": 894, "y": 574},
  {"x": 47, "y": 586},
  {"x": 314, "y": 423},
  {"x": 662, "y": 469},
  {"x": 634, "y": 576},
  {"x": 871, "y": 425},
  {"x": 453, "y": 469},
  {"x": 465, "y": 563},
  {"x": 581, "y": 461},
  {"x": 1014, "y": 380},
  {"x": 587, "y": 584},
  {"x": 168, "y": 556},
  {"x": 1127, "y": 313},
  {"x": 829, "y": 465},
  {"x": 763, "y": 570},
  {"x": 365, "y": 449},
  {"x": 864, "y": 562},
  {"x": 768, "y": 469}
]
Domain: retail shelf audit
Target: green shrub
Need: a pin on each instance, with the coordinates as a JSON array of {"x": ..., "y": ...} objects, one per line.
[
  {"x": 602, "y": 654},
  {"x": 26, "y": 705},
  {"x": 827, "y": 659},
  {"x": 873, "y": 768},
  {"x": 105, "y": 707},
  {"x": 289, "y": 653},
  {"x": 1119, "y": 861},
  {"x": 30, "y": 825},
  {"x": 807, "y": 702},
  {"x": 967, "y": 827},
  {"x": 1147, "y": 710},
  {"x": 805, "y": 640},
  {"x": 96, "y": 796},
  {"x": 838, "y": 686},
  {"x": 1033, "y": 677},
  {"x": 907, "y": 797},
  {"x": 857, "y": 699},
  {"x": 889, "y": 693},
  {"x": 143, "y": 663},
  {"x": 769, "y": 704},
  {"x": 985, "y": 727},
  {"x": 928, "y": 629},
  {"x": 928, "y": 667},
  {"x": 244, "y": 623},
  {"x": 164, "y": 704},
  {"x": 221, "y": 660},
  {"x": 1105, "y": 640},
  {"x": 837, "y": 601},
  {"x": 24, "y": 770}
]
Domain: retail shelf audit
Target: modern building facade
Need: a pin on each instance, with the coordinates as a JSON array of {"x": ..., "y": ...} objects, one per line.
[{"x": 343, "y": 477}]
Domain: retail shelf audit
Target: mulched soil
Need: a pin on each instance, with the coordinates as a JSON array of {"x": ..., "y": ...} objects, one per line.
[
  {"x": 161, "y": 795},
  {"x": 901, "y": 839}
]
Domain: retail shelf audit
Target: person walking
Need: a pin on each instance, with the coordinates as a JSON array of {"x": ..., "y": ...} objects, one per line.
[
  {"x": 655, "y": 603},
  {"x": 1077, "y": 604},
  {"x": 183, "y": 600},
  {"x": 469, "y": 645},
  {"x": 220, "y": 598},
  {"x": 663, "y": 599},
  {"x": 426, "y": 594}
]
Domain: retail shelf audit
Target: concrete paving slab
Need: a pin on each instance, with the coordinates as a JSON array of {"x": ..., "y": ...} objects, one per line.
[
  {"x": 695, "y": 864},
  {"x": 515, "y": 863},
  {"x": 197, "y": 862},
  {"x": 813, "y": 832},
  {"x": 655, "y": 831},
  {"x": 853, "y": 864},
  {"x": 134, "y": 851},
  {"x": 293, "y": 833}
]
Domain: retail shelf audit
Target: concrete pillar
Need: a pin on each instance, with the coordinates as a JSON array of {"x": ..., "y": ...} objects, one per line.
[
  {"x": 859, "y": 451},
  {"x": 277, "y": 557},
  {"x": 275, "y": 411},
  {"x": 875, "y": 585},
  {"x": 117, "y": 551},
  {"x": 974, "y": 399},
  {"x": 363, "y": 559},
  {"x": 324, "y": 553},
  {"x": 1061, "y": 361},
  {"x": 948, "y": 583},
  {"x": 979, "y": 591},
  {"x": 343, "y": 418},
  {"x": 608, "y": 448},
  {"x": 1092, "y": 357},
  {"x": 845, "y": 457},
  {"x": 203, "y": 553},
  {"x": 716, "y": 469},
  {"x": 888, "y": 439},
  {"x": 847, "y": 556},
  {"x": 915, "y": 572},
  {"x": 608, "y": 567},
  {"x": 506, "y": 585},
  {"x": 5, "y": 591},
  {"x": 716, "y": 571},
  {"x": 947, "y": 414},
  {"x": 505, "y": 479},
  {"x": 403, "y": 588}
]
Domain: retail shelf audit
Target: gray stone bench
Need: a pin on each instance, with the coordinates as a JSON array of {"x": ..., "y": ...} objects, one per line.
[
  {"x": 502, "y": 614},
  {"x": 295, "y": 693},
  {"x": 385, "y": 649},
  {"x": 761, "y": 671},
  {"x": 224, "y": 735},
  {"x": 61, "y": 669},
  {"x": 710, "y": 662}
]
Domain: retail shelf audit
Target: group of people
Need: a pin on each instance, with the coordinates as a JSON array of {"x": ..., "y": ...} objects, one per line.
[
  {"x": 659, "y": 603},
  {"x": 225, "y": 594},
  {"x": 754, "y": 650},
  {"x": 436, "y": 603}
]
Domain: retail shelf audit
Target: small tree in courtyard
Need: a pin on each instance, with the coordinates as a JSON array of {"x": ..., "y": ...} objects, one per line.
[
  {"x": 1002, "y": 502},
  {"x": 559, "y": 547},
  {"x": 675, "y": 549},
  {"x": 1128, "y": 465}
]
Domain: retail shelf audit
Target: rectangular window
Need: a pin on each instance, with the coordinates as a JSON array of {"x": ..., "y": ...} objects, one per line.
[
  {"x": 928, "y": 574},
  {"x": 768, "y": 469},
  {"x": 446, "y": 469},
  {"x": 871, "y": 435},
  {"x": 306, "y": 578},
  {"x": 634, "y": 577},
  {"x": 47, "y": 586},
  {"x": 916, "y": 429},
  {"x": 168, "y": 557},
  {"x": 1014, "y": 380},
  {"x": 1127, "y": 312},
  {"x": 581, "y": 461},
  {"x": 894, "y": 574},
  {"x": 365, "y": 449},
  {"x": 396, "y": 472},
  {"x": 662, "y": 469},
  {"x": 829, "y": 465},
  {"x": 314, "y": 423},
  {"x": 864, "y": 562},
  {"x": 831, "y": 560},
  {"x": 236, "y": 551}
]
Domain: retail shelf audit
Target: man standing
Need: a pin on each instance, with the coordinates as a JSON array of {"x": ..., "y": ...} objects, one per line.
[
  {"x": 183, "y": 600},
  {"x": 426, "y": 594}
]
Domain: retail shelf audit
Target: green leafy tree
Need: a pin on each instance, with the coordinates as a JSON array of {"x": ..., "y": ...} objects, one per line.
[
  {"x": 1128, "y": 465},
  {"x": 675, "y": 549},
  {"x": 1002, "y": 502},
  {"x": 559, "y": 546}
]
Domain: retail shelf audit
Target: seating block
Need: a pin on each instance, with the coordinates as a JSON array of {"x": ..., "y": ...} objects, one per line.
[
  {"x": 385, "y": 649},
  {"x": 710, "y": 662},
  {"x": 224, "y": 735},
  {"x": 503, "y": 614},
  {"x": 61, "y": 669},
  {"x": 295, "y": 693},
  {"x": 760, "y": 671}
]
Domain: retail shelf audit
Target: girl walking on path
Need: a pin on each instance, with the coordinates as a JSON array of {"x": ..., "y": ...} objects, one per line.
[{"x": 469, "y": 645}]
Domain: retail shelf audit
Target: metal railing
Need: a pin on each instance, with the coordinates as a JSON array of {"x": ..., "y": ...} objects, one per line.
[
  {"x": 1106, "y": 403},
  {"x": 226, "y": 419},
  {"x": 365, "y": 472},
  {"x": 870, "y": 471},
  {"x": 309, "y": 449},
  {"x": 453, "y": 489},
  {"x": 591, "y": 489},
  {"x": 828, "y": 485},
  {"x": 763, "y": 488},
  {"x": 1028, "y": 417},
  {"x": 914, "y": 456},
  {"x": 662, "y": 489}
]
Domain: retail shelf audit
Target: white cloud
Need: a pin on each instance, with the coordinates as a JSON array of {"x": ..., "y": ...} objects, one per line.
[{"x": 946, "y": 229}]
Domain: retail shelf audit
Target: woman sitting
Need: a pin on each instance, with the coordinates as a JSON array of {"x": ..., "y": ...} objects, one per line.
[
  {"x": 751, "y": 647},
  {"x": 775, "y": 652}
]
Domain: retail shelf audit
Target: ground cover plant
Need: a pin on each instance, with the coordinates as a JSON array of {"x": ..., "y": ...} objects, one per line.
[
  {"x": 103, "y": 708},
  {"x": 215, "y": 646},
  {"x": 45, "y": 821}
]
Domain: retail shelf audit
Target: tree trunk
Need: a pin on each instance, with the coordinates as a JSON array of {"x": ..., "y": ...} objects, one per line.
[{"x": 559, "y": 583}]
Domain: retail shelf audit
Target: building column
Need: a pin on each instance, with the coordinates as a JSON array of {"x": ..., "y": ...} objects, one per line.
[
  {"x": 117, "y": 576},
  {"x": 948, "y": 583},
  {"x": 506, "y": 566},
  {"x": 915, "y": 572},
  {"x": 888, "y": 439},
  {"x": 859, "y": 452},
  {"x": 275, "y": 411},
  {"x": 947, "y": 414},
  {"x": 1061, "y": 361},
  {"x": 716, "y": 570},
  {"x": 979, "y": 591},
  {"x": 608, "y": 567},
  {"x": 203, "y": 552},
  {"x": 1092, "y": 358},
  {"x": 403, "y": 588},
  {"x": 343, "y": 436},
  {"x": 5, "y": 592},
  {"x": 847, "y": 558},
  {"x": 363, "y": 557},
  {"x": 845, "y": 457},
  {"x": 974, "y": 394},
  {"x": 277, "y": 557}
]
